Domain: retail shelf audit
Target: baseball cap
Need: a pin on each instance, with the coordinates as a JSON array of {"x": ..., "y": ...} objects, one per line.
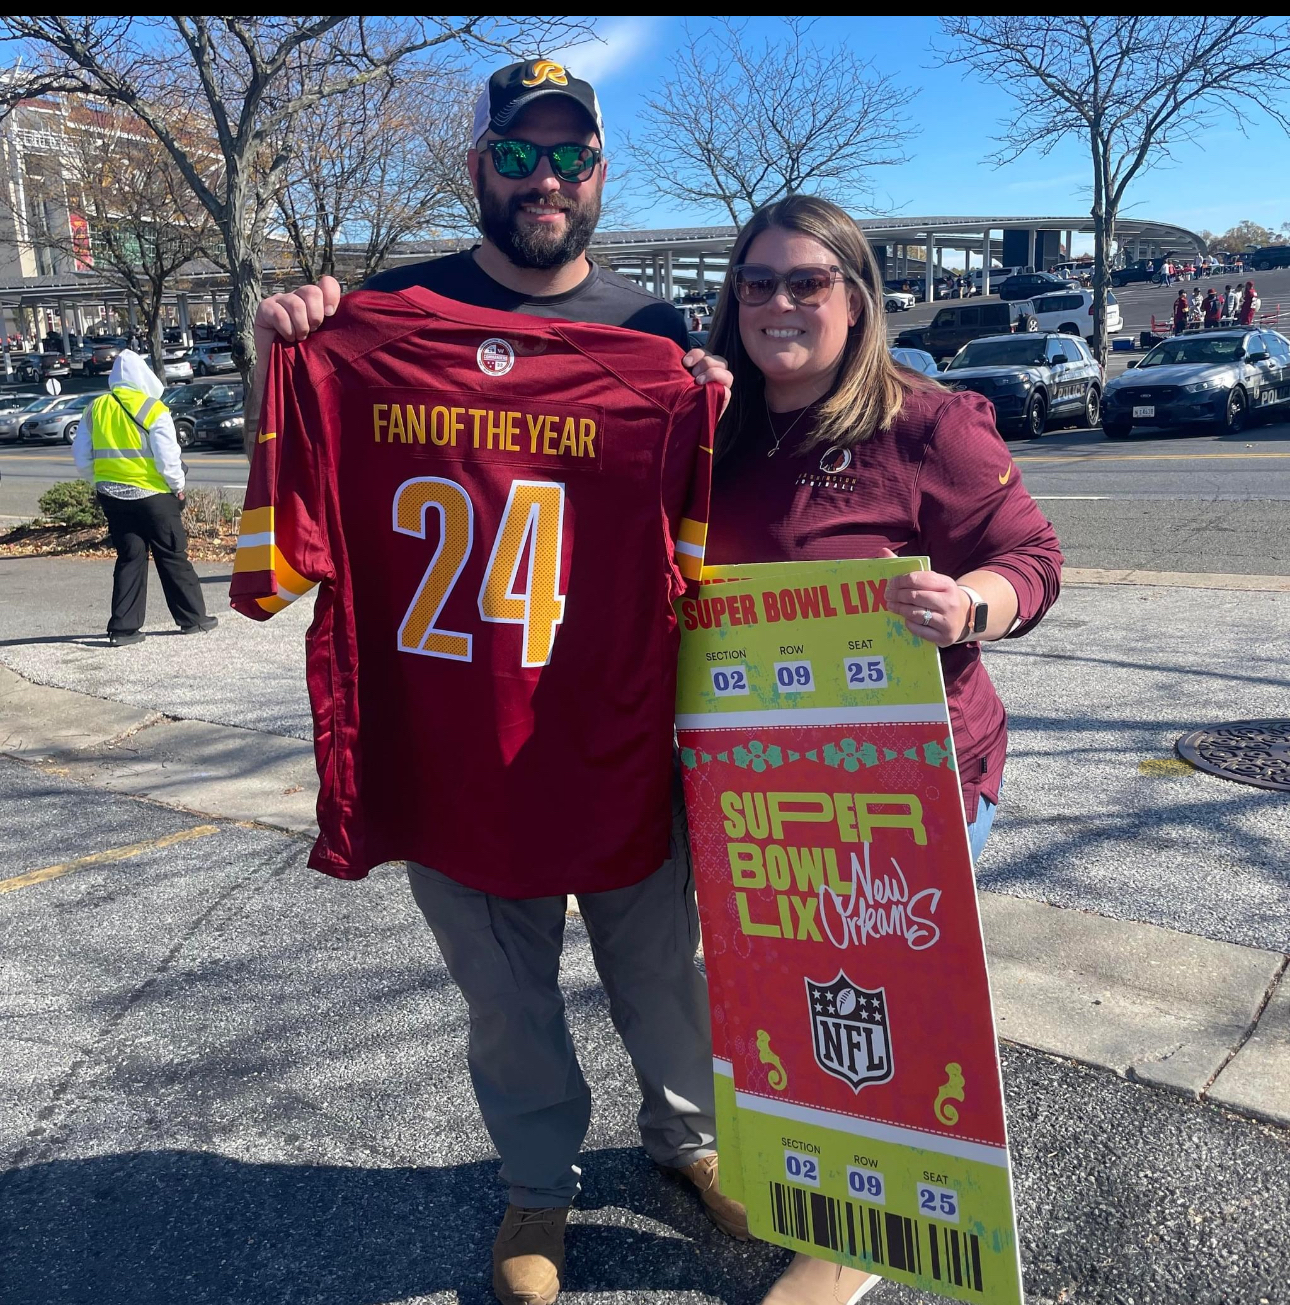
[{"x": 515, "y": 87}]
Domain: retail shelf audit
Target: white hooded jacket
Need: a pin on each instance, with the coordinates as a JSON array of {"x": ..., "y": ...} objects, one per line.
[{"x": 130, "y": 370}]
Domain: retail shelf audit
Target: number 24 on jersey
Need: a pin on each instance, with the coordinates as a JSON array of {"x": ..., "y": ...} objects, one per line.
[{"x": 532, "y": 527}]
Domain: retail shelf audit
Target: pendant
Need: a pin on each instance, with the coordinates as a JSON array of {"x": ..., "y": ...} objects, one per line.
[{"x": 771, "y": 452}]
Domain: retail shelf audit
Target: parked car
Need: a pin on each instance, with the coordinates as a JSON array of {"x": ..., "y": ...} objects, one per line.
[
  {"x": 178, "y": 369},
  {"x": 40, "y": 366},
  {"x": 897, "y": 301},
  {"x": 104, "y": 355},
  {"x": 1070, "y": 311},
  {"x": 207, "y": 413},
  {"x": 16, "y": 399},
  {"x": 10, "y": 422},
  {"x": 58, "y": 422},
  {"x": 1211, "y": 377},
  {"x": 1032, "y": 379},
  {"x": 1026, "y": 285},
  {"x": 956, "y": 324},
  {"x": 1261, "y": 260},
  {"x": 79, "y": 357},
  {"x": 918, "y": 360},
  {"x": 212, "y": 357},
  {"x": 1141, "y": 272}
]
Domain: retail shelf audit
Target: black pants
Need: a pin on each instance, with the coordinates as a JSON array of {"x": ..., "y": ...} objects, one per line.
[{"x": 137, "y": 525}]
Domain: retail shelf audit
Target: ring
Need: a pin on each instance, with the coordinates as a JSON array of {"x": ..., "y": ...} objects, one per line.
[{"x": 927, "y": 616}]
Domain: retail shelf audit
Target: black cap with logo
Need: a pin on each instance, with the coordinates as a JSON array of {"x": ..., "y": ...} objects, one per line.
[{"x": 514, "y": 88}]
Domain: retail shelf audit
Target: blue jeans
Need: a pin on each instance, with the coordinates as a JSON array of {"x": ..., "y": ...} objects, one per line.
[{"x": 979, "y": 829}]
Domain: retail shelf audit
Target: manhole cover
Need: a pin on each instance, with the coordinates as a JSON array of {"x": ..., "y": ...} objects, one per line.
[{"x": 1249, "y": 751}]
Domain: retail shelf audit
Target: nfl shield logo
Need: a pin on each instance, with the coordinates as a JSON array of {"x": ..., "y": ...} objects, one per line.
[{"x": 849, "y": 1031}]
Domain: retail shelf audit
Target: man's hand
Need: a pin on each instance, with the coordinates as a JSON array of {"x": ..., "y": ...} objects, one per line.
[
  {"x": 293, "y": 316},
  {"x": 708, "y": 369},
  {"x": 289, "y": 317}
]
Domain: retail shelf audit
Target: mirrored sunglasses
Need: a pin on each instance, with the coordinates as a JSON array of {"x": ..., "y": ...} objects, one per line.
[{"x": 517, "y": 159}]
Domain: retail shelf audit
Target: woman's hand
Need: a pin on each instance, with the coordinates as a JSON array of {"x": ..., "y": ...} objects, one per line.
[
  {"x": 933, "y": 605},
  {"x": 708, "y": 369}
]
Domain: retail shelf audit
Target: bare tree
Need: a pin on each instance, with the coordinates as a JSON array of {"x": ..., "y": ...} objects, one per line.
[
  {"x": 244, "y": 76},
  {"x": 375, "y": 167},
  {"x": 1132, "y": 86},
  {"x": 139, "y": 223},
  {"x": 734, "y": 127}
]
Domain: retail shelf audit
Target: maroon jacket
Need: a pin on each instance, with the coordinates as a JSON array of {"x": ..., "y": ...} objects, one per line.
[{"x": 940, "y": 482}]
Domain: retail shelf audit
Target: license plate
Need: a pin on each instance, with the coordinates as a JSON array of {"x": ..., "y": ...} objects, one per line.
[{"x": 1144, "y": 412}]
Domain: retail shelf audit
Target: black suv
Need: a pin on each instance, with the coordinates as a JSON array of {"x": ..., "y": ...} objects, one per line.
[
  {"x": 1268, "y": 257},
  {"x": 1026, "y": 285},
  {"x": 1030, "y": 378},
  {"x": 953, "y": 326},
  {"x": 206, "y": 413}
]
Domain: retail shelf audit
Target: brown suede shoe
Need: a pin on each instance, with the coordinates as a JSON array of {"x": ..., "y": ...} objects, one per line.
[
  {"x": 808, "y": 1281},
  {"x": 728, "y": 1215},
  {"x": 528, "y": 1256}
]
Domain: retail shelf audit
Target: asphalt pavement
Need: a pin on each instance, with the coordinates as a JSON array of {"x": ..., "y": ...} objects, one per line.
[{"x": 232, "y": 1081}]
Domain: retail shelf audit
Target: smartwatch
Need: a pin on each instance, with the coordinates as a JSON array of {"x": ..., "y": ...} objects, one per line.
[{"x": 978, "y": 614}]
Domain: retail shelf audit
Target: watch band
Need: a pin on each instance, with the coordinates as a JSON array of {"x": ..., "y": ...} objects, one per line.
[{"x": 978, "y": 614}]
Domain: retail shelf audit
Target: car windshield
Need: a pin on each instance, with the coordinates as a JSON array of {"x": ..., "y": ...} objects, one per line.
[
  {"x": 39, "y": 405},
  {"x": 1195, "y": 349},
  {"x": 1019, "y": 352}
]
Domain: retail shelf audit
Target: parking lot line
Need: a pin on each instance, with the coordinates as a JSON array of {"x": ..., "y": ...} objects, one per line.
[{"x": 102, "y": 858}]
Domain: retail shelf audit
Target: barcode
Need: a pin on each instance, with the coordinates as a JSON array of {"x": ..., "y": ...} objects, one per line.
[{"x": 894, "y": 1241}]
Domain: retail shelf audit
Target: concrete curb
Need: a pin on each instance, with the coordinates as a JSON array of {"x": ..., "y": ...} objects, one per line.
[
  {"x": 1208, "y": 1019},
  {"x": 1277, "y": 584}
]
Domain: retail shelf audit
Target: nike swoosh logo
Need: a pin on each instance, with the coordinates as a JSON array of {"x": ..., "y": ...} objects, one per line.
[
  {"x": 266, "y": 435},
  {"x": 1003, "y": 480}
]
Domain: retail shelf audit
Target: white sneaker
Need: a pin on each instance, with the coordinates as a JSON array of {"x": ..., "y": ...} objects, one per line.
[{"x": 808, "y": 1281}]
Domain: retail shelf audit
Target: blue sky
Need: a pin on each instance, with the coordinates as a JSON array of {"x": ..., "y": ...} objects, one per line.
[{"x": 1220, "y": 180}]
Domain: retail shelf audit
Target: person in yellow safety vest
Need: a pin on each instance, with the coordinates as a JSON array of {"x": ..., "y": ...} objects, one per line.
[{"x": 126, "y": 445}]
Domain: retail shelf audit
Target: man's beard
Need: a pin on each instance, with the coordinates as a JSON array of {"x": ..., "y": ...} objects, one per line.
[{"x": 531, "y": 245}]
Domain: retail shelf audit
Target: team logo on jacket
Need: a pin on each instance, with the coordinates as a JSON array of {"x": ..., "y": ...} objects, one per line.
[
  {"x": 849, "y": 1033},
  {"x": 495, "y": 357},
  {"x": 835, "y": 460}
]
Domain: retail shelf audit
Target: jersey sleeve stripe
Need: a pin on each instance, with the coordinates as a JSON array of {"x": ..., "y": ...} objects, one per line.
[
  {"x": 690, "y": 567},
  {"x": 256, "y": 520},
  {"x": 268, "y": 557},
  {"x": 693, "y": 532}
]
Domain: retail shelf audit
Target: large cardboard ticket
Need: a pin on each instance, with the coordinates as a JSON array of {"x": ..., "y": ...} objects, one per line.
[{"x": 860, "y": 1106}]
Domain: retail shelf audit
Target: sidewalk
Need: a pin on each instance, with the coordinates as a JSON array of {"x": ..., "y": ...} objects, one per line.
[{"x": 1134, "y": 915}]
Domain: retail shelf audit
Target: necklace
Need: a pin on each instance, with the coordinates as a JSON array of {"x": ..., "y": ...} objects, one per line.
[{"x": 779, "y": 439}]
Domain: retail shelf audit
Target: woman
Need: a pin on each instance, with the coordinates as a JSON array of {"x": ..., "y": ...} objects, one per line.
[
  {"x": 828, "y": 449},
  {"x": 1248, "y": 301}
]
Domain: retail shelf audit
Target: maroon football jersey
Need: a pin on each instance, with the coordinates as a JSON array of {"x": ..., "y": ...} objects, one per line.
[{"x": 500, "y": 511}]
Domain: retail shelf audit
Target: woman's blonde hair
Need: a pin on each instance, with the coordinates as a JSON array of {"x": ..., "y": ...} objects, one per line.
[{"x": 870, "y": 387}]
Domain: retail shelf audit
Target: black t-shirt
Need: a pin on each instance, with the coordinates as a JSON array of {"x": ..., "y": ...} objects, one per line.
[{"x": 603, "y": 297}]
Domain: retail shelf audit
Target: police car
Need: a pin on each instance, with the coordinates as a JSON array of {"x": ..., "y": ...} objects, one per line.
[
  {"x": 1032, "y": 378},
  {"x": 1216, "y": 377}
]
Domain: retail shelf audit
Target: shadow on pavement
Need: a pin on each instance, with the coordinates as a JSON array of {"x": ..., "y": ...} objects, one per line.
[{"x": 157, "y": 1227}]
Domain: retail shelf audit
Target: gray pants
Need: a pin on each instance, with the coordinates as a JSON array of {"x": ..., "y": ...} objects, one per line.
[{"x": 504, "y": 955}]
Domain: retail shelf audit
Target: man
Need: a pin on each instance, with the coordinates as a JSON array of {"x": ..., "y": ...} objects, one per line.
[
  {"x": 536, "y": 162},
  {"x": 125, "y": 443}
]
